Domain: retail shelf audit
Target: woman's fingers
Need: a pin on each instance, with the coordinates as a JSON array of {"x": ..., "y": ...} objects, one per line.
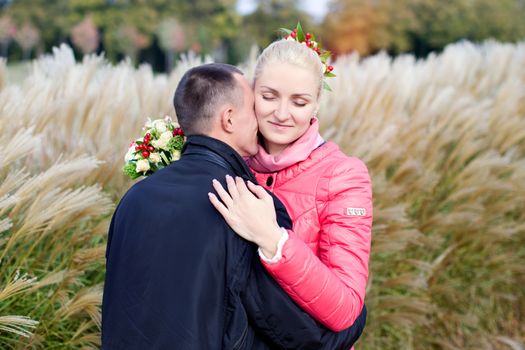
[
  {"x": 248, "y": 210},
  {"x": 225, "y": 196},
  {"x": 221, "y": 208},
  {"x": 241, "y": 186},
  {"x": 232, "y": 187},
  {"x": 259, "y": 191}
]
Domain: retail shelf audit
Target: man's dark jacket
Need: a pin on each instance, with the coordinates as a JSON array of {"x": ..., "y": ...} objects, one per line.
[{"x": 178, "y": 277}]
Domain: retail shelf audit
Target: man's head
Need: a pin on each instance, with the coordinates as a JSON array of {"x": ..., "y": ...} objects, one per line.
[{"x": 216, "y": 100}]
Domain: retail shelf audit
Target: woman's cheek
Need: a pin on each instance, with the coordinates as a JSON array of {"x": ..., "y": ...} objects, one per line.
[{"x": 263, "y": 109}]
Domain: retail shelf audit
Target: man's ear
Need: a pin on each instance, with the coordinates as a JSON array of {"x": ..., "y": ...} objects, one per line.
[{"x": 226, "y": 118}]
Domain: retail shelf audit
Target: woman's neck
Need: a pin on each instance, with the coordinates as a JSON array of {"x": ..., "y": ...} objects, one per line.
[{"x": 274, "y": 149}]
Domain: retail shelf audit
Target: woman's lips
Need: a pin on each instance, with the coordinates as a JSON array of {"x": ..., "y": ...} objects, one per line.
[{"x": 280, "y": 126}]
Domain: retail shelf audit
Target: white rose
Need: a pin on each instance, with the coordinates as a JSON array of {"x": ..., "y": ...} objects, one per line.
[
  {"x": 160, "y": 125},
  {"x": 163, "y": 140},
  {"x": 155, "y": 157},
  {"x": 175, "y": 155},
  {"x": 142, "y": 166},
  {"x": 130, "y": 154}
]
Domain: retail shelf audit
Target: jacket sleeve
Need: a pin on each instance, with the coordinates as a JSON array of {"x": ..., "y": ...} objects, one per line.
[
  {"x": 331, "y": 287},
  {"x": 280, "y": 323}
]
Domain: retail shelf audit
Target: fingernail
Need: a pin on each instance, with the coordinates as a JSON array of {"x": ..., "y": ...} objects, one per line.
[{"x": 214, "y": 180}]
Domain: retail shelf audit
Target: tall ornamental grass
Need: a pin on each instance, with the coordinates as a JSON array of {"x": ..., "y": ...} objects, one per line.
[{"x": 444, "y": 140}]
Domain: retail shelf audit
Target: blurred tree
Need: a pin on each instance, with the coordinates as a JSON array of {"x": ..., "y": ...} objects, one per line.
[
  {"x": 130, "y": 40},
  {"x": 172, "y": 38},
  {"x": 7, "y": 33},
  {"x": 211, "y": 26},
  {"x": 42, "y": 15},
  {"x": 207, "y": 24},
  {"x": 353, "y": 26},
  {"x": 125, "y": 26},
  {"x": 27, "y": 38},
  {"x": 85, "y": 36},
  {"x": 474, "y": 20},
  {"x": 422, "y": 26},
  {"x": 368, "y": 26},
  {"x": 262, "y": 25}
]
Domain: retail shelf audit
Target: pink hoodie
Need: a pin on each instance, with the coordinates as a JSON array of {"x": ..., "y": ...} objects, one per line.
[{"x": 324, "y": 266}]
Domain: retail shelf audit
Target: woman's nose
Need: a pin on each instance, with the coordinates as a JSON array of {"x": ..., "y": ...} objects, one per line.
[{"x": 282, "y": 113}]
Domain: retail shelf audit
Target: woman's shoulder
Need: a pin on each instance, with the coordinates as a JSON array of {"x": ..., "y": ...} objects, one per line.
[{"x": 335, "y": 161}]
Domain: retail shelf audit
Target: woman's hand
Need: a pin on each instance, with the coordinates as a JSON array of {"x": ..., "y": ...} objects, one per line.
[{"x": 249, "y": 211}]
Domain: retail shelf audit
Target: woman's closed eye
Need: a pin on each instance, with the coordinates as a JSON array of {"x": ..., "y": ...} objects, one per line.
[
  {"x": 300, "y": 103},
  {"x": 268, "y": 97}
]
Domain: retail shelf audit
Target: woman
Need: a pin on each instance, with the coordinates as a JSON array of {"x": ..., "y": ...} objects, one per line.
[{"x": 323, "y": 263}]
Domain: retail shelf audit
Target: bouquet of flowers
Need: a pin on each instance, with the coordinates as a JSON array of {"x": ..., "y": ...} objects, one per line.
[{"x": 160, "y": 145}]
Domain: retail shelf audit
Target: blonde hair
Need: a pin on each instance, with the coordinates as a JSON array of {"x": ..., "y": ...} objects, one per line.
[{"x": 292, "y": 52}]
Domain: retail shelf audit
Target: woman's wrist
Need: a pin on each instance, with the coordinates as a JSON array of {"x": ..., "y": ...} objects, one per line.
[{"x": 268, "y": 245}]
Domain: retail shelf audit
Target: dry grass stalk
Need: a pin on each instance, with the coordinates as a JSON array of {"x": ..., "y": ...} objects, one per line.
[
  {"x": 19, "y": 325},
  {"x": 50, "y": 226},
  {"x": 444, "y": 140}
]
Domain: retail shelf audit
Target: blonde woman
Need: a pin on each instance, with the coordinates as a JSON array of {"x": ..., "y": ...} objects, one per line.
[{"x": 322, "y": 263}]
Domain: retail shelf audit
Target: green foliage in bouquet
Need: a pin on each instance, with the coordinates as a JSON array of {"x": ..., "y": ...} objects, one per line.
[{"x": 160, "y": 145}]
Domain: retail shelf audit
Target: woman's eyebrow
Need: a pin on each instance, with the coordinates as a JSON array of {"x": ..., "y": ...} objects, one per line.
[
  {"x": 269, "y": 88},
  {"x": 304, "y": 94}
]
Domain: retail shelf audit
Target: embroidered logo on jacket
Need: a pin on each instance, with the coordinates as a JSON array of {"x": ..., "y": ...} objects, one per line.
[{"x": 356, "y": 211}]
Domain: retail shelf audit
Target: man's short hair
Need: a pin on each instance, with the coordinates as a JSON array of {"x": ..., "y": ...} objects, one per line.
[{"x": 201, "y": 91}]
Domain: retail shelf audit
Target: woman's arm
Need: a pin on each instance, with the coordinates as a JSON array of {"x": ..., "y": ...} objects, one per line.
[
  {"x": 331, "y": 287},
  {"x": 281, "y": 322}
]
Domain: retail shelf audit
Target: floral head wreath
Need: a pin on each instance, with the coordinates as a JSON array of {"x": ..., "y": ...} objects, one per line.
[{"x": 308, "y": 40}]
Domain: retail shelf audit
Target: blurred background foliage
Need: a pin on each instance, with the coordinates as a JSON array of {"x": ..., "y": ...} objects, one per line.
[
  {"x": 157, "y": 31},
  {"x": 443, "y": 137}
]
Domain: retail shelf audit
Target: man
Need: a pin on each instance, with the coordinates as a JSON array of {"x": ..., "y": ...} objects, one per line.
[{"x": 177, "y": 276}]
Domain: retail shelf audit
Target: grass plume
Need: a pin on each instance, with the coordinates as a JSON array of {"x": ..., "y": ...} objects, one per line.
[{"x": 443, "y": 137}]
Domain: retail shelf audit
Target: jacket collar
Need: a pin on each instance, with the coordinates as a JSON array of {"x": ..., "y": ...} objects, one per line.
[
  {"x": 294, "y": 153},
  {"x": 284, "y": 175},
  {"x": 217, "y": 148}
]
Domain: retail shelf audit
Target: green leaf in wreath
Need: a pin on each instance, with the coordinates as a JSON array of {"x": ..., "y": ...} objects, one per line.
[{"x": 300, "y": 33}]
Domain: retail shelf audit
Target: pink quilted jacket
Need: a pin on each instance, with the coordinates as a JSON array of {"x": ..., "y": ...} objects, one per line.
[{"x": 324, "y": 267}]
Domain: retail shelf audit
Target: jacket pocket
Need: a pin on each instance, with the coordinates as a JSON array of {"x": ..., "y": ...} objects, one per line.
[
  {"x": 242, "y": 339},
  {"x": 237, "y": 332}
]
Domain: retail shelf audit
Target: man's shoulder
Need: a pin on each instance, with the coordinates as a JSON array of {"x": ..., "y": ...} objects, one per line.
[
  {"x": 162, "y": 179},
  {"x": 138, "y": 189},
  {"x": 145, "y": 194}
]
